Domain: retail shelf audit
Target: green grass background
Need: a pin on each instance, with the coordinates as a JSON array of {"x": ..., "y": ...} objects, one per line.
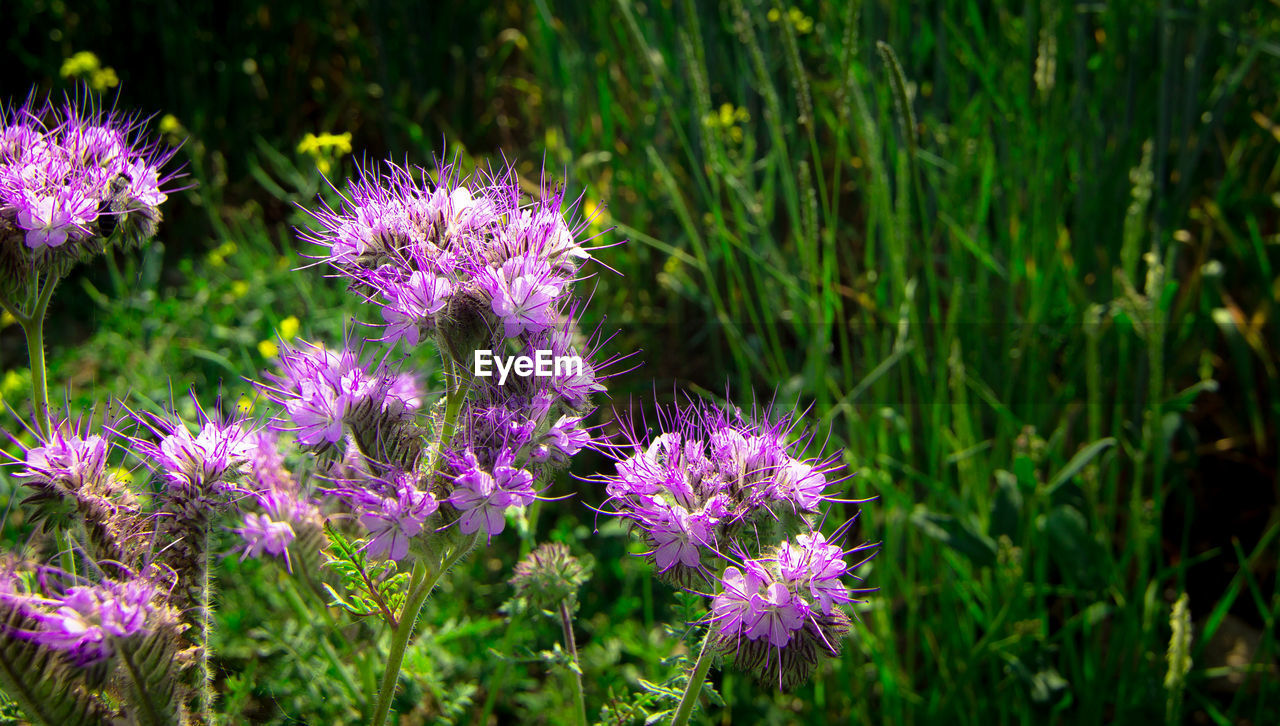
[{"x": 1015, "y": 259}]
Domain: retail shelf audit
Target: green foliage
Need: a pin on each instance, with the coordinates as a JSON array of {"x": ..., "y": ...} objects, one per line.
[
  {"x": 373, "y": 588},
  {"x": 1021, "y": 258}
]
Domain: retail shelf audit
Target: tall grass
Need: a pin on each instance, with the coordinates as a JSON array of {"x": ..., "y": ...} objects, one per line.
[{"x": 977, "y": 238}]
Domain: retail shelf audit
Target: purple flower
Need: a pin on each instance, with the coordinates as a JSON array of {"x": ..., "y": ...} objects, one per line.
[
  {"x": 86, "y": 619},
  {"x": 776, "y": 614},
  {"x": 394, "y": 519},
  {"x": 263, "y": 534},
  {"x": 482, "y": 497},
  {"x": 67, "y": 460},
  {"x": 413, "y": 305},
  {"x": 51, "y": 217},
  {"x": 322, "y": 390},
  {"x": 563, "y": 440},
  {"x": 522, "y": 292},
  {"x": 206, "y": 461}
]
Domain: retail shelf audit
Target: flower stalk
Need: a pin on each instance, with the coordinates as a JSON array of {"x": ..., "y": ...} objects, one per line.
[
  {"x": 420, "y": 586},
  {"x": 571, "y": 647},
  {"x": 696, "y": 678}
]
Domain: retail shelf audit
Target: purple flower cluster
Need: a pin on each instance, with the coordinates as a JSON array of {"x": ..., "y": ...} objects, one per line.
[
  {"x": 67, "y": 461},
  {"x": 774, "y": 598},
  {"x": 431, "y": 254},
  {"x": 321, "y": 390},
  {"x": 209, "y": 461},
  {"x": 711, "y": 480},
  {"x": 69, "y": 177},
  {"x": 475, "y": 267},
  {"x": 86, "y": 621},
  {"x": 711, "y": 489},
  {"x": 285, "y": 510}
]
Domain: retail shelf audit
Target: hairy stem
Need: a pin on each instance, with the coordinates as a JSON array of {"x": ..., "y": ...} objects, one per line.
[
  {"x": 696, "y": 679},
  {"x": 420, "y": 586},
  {"x": 571, "y": 646},
  {"x": 205, "y": 692}
]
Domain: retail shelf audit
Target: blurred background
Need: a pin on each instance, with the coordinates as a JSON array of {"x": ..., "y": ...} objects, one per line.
[{"x": 1017, "y": 260}]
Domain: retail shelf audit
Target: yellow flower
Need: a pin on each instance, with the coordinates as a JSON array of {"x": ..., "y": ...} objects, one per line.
[
  {"x": 169, "y": 124},
  {"x": 245, "y": 404},
  {"x": 86, "y": 65},
  {"x": 239, "y": 289},
  {"x": 121, "y": 474},
  {"x": 288, "y": 327},
  {"x": 312, "y": 144},
  {"x": 268, "y": 348}
]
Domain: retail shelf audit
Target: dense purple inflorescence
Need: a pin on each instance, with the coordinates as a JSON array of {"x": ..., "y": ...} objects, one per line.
[
  {"x": 712, "y": 487},
  {"x": 70, "y": 177},
  {"x": 475, "y": 267}
]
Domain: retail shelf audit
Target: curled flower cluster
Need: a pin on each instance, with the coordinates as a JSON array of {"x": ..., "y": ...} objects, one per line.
[
  {"x": 86, "y": 621},
  {"x": 70, "y": 177},
  {"x": 464, "y": 261},
  {"x": 706, "y": 496},
  {"x": 710, "y": 482},
  {"x": 322, "y": 390},
  {"x": 472, "y": 267}
]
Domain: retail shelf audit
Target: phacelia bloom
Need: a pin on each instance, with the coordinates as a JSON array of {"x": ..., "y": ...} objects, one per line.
[
  {"x": 465, "y": 257},
  {"x": 196, "y": 464},
  {"x": 262, "y": 534},
  {"x": 322, "y": 390},
  {"x": 392, "y": 509},
  {"x": 778, "y": 614},
  {"x": 85, "y": 621},
  {"x": 70, "y": 177},
  {"x": 708, "y": 482},
  {"x": 67, "y": 461},
  {"x": 482, "y": 496}
]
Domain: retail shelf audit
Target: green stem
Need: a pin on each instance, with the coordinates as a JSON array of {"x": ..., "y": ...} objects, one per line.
[
  {"x": 454, "y": 398},
  {"x": 420, "y": 586},
  {"x": 696, "y": 679},
  {"x": 33, "y": 329},
  {"x": 571, "y": 646},
  {"x": 205, "y": 694}
]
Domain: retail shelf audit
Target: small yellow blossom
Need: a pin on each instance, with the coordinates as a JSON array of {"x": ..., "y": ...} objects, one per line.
[
  {"x": 325, "y": 149},
  {"x": 268, "y": 348},
  {"x": 239, "y": 289},
  {"x": 218, "y": 257},
  {"x": 85, "y": 65},
  {"x": 288, "y": 327},
  {"x": 245, "y": 404},
  {"x": 122, "y": 475},
  {"x": 169, "y": 124}
]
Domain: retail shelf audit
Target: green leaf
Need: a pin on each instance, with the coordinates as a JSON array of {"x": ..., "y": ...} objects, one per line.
[
  {"x": 1072, "y": 548},
  {"x": 1006, "y": 507},
  {"x": 959, "y": 536},
  {"x": 1079, "y": 461}
]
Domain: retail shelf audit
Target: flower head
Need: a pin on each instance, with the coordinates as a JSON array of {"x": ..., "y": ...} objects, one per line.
[{"x": 86, "y": 620}]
